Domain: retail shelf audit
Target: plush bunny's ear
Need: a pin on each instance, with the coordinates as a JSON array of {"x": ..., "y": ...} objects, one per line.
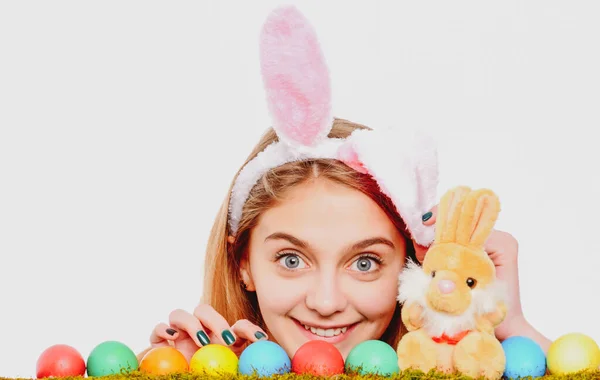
[
  {"x": 296, "y": 79},
  {"x": 449, "y": 214},
  {"x": 477, "y": 219}
]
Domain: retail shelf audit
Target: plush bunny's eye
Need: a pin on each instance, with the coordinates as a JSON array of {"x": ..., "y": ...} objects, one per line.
[
  {"x": 471, "y": 282},
  {"x": 432, "y": 274}
]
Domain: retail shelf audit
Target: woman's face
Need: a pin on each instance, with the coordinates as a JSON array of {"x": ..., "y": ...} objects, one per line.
[{"x": 324, "y": 264}]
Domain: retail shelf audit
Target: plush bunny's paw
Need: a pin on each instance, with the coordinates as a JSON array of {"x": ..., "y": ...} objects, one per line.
[
  {"x": 480, "y": 355},
  {"x": 417, "y": 352},
  {"x": 412, "y": 316},
  {"x": 488, "y": 322}
]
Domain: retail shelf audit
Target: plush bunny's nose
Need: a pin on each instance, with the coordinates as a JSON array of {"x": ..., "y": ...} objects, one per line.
[{"x": 446, "y": 286}]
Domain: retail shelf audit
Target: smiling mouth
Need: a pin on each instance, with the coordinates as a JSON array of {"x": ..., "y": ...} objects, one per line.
[{"x": 324, "y": 331}]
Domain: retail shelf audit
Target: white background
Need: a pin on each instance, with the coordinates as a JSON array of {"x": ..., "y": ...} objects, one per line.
[{"x": 116, "y": 115}]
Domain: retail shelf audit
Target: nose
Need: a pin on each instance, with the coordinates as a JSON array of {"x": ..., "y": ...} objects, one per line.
[
  {"x": 446, "y": 286},
  {"x": 325, "y": 296}
]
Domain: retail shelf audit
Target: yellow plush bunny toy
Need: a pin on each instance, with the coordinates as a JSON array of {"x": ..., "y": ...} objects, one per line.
[{"x": 452, "y": 303}]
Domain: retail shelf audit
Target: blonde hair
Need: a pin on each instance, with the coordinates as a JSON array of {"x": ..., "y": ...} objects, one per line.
[{"x": 222, "y": 284}]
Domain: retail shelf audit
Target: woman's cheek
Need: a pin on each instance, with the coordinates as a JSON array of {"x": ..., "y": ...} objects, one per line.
[
  {"x": 280, "y": 294},
  {"x": 376, "y": 299}
]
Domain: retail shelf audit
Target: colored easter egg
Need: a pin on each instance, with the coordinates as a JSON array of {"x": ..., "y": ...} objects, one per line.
[
  {"x": 111, "y": 357},
  {"x": 264, "y": 358},
  {"x": 373, "y": 357},
  {"x": 524, "y": 357},
  {"x": 60, "y": 360},
  {"x": 318, "y": 358},
  {"x": 214, "y": 359},
  {"x": 163, "y": 361},
  {"x": 572, "y": 353}
]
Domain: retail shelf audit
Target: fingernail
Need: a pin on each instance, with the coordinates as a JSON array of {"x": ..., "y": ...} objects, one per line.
[
  {"x": 203, "y": 338},
  {"x": 259, "y": 335},
  {"x": 171, "y": 331},
  {"x": 427, "y": 216},
  {"x": 228, "y": 337}
]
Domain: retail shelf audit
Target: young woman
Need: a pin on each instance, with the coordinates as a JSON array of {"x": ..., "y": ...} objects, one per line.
[{"x": 319, "y": 222}]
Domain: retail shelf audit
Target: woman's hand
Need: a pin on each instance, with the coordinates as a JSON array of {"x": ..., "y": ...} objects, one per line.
[
  {"x": 189, "y": 331},
  {"x": 503, "y": 249}
]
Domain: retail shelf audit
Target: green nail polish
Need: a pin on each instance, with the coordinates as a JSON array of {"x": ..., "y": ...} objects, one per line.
[
  {"x": 427, "y": 216},
  {"x": 259, "y": 335},
  {"x": 228, "y": 337},
  {"x": 203, "y": 338}
]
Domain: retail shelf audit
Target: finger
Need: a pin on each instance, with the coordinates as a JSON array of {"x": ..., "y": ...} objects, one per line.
[
  {"x": 420, "y": 251},
  {"x": 502, "y": 247},
  {"x": 246, "y": 330},
  {"x": 215, "y": 322},
  {"x": 429, "y": 218},
  {"x": 162, "y": 334},
  {"x": 182, "y": 320}
]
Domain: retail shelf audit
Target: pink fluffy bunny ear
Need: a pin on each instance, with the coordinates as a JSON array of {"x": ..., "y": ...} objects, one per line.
[
  {"x": 296, "y": 79},
  {"x": 404, "y": 164}
]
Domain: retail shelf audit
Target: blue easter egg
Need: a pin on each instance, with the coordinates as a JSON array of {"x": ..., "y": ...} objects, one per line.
[
  {"x": 264, "y": 358},
  {"x": 524, "y": 357}
]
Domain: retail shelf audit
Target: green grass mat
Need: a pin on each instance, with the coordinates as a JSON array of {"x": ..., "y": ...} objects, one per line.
[{"x": 405, "y": 375}]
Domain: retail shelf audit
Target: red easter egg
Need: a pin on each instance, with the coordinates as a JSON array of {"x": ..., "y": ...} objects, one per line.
[
  {"x": 318, "y": 358},
  {"x": 60, "y": 360}
]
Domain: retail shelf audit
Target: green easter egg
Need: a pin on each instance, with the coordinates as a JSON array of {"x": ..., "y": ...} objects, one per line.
[
  {"x": 111, "y": 357},
  {"x": 373, "y": 357}
]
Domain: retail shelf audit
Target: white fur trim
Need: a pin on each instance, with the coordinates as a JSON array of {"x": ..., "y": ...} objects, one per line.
[
  {"x": 403, "y": 163},
  {"x": 413, "y": 284},
  {"x": 274, "y": 155}
]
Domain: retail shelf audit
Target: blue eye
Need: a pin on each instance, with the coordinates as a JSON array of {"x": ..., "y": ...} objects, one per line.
[
  {"x": 365, "y": 264},
  {"x": 291, "y": 261}
]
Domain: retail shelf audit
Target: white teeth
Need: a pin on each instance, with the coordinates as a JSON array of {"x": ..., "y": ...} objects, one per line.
[{"x": 326, "y": 333}]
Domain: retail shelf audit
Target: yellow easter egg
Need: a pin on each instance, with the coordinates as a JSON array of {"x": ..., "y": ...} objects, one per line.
[
  {"x": 572, "y": 353},
  {"x": 214, "y": 359}
]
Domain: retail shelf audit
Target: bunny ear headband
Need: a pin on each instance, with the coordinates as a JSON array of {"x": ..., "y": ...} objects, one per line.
[{"x": 296, "y": 79}]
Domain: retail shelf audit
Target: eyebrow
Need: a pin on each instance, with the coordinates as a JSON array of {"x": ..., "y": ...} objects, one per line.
[{"x": 304, "y": 245}]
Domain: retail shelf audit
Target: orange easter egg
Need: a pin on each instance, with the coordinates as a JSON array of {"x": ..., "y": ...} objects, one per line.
[{"x": 163, "y": 361}]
